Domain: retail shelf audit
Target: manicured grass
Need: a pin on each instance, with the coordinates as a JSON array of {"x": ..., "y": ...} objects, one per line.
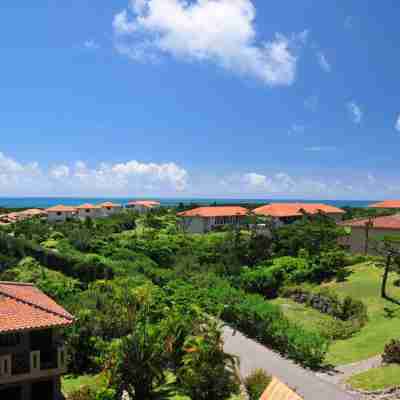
[
  {"x": 305, "y": 316},
  {"x": 380, "y": 378},
  {"x": 71, "y": 383},
  {"x": 384, "y": 316}
]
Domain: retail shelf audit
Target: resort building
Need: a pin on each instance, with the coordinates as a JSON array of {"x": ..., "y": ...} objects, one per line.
[
  {"x": 289, "y": 212},
  {"x": 108, "y": 208},
  {"x": 60, "y": 213},
  {"x": 389, "y": 204},
  {"x": 89, "y": 211},
  {"x": 205, "y": 219},
  {"x": 143, "y": 206},
  {"x": 363, "y": 233},
  {"x": 32, "y": 357}
]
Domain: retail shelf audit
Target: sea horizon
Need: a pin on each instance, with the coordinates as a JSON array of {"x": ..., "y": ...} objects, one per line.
[{"x": 49, "y": 201}]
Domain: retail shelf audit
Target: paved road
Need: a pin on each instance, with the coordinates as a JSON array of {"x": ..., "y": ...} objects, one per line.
[{"x": 253, "y": 355}]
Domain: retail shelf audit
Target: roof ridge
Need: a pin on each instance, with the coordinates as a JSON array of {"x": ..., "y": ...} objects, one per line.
[
  {"x": 30, "y": 303},
  {"x": 16, "y": 283}
]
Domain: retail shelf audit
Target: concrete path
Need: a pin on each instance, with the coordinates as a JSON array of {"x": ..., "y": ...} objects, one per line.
[
  {"x": 342, "y": 372},
  {"x": 253, "y": 355}
]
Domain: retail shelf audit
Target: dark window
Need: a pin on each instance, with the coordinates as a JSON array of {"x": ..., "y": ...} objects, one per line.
[
  {"x": 10, "y": 340},
  {"x": 58, "y": 213}
]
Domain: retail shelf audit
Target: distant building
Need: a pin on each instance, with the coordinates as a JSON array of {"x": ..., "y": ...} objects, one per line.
[
  {"x": 205, "y": 219},
  {"x": 108, "y": 208},
  {"x": 32, "y": 357},
  {"x": 394, "y": 204},
  {"x": 60, "y": 213},
  {"x": 289, "y": 212},
  {"x": 89, "y": 211},
  {"x": 365, "y": 230},
  {"x": 143, "y": 206}
]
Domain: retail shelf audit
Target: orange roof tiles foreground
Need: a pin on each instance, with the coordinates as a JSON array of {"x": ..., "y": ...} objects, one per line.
[
  {"x": 387, "y": 222},
  {"x": 280, "y": 210},
  {"x": 386, "y": 204},
  {"x": 61, "y": 208},
  {"x": 207, "y": 212},
  {"x": 24, "y": 307},
  {"x": 276, "y": 390}
]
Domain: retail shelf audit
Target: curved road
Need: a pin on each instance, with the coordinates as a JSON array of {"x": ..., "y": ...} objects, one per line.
[{"x": 253, "y": 355}]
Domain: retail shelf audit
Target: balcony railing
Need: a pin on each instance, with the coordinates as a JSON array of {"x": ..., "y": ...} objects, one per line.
[{"x": 28, "y": 364}]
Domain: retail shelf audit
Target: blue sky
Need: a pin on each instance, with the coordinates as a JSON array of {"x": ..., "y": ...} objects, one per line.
[{"x": 226, "y": 98}]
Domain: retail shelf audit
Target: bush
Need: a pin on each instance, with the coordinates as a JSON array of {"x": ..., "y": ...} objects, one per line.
[
  {"x": 256, "y": 383},
  {"x": 391, "y": 353}
]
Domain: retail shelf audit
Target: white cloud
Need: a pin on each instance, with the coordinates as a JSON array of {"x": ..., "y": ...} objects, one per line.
[
  {"x": 323, "y": 62},
  {"x": 218, "y": 31},
  {"x": 91, "y": 44},
  {"x": 311, "y": 102},
  {"x": 256, "y": 180},
  {"x": 320, "y": 148},
  {"x": 132, "y": 177},
  {"x": 296, "y": 128},
  {"x": 355, "y": 111},
  {"x": 397, "y": 125}
]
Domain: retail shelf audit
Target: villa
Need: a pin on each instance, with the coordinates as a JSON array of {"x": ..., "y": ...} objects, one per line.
[
  {"x": 89, "y": 211},
  {"x": 143, "y": 206},
  {"x": 32, "y": 357},
  {"x": 288, "y": 212},
  {"x": 109, "y": 208},
  {"x": 205, "y": 219},
  {"x": 60, "y": 213},
  {"x": 363, "y": 232}
]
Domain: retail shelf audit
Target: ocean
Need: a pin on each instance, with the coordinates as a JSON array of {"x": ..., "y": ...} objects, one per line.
[{"x": 45, "y": 202}]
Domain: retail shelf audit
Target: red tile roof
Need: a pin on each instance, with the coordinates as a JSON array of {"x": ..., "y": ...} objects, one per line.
[
  {"x": 387, "y": 222},
  {"x": 276, "y": 390},
  {"x": 386, "y": 204},
  {"x": 87, "y": 206},
  {"x": 145, "y": 203},
  {"x": 24, "y": 307},
  {"x": 280, "y": 210},
  {"x": 108, "y": 204},
  {"x": 61, "y": 208},
  {"x": 206, "y": 212},
  {"x": 33, "y": 212}
]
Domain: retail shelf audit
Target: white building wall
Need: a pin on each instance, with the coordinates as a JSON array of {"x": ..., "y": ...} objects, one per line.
[{"x": 59, "y": 216}]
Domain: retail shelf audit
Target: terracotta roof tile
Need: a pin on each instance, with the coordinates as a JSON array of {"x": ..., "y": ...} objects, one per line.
[
  {"x": 145, "y": 203},
  {"x": 23, "y": 306},
  {"x": 61, "y": 208},
  {"x": 222, "y": 211},
  {"x": 276, "y": 390},
  {"x": 387, "y": 222},
  {"x": 280, "y": 210},
  {"x": 87, "y": 206},
  {"x": 109, "y": 204},
  {"x": 386, "y": 204}
]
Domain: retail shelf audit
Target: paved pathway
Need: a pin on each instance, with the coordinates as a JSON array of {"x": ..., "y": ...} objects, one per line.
[
  {"x": 341, "y": 373},
  {"x": 253, "y": 355}
]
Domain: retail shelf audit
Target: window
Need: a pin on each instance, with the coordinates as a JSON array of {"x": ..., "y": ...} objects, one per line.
[
  {"x": 10, "y": 340},
  {"x": 87, "y": 211},
  {"x": 58, "y": 213}
]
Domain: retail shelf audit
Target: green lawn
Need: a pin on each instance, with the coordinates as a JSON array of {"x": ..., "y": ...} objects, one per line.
[
  {"x": 303, "y": 315},
  {"x": 71, "y": 383},
  {"x": 364, "y": 284},
  {"x": 379, "y": 378}
]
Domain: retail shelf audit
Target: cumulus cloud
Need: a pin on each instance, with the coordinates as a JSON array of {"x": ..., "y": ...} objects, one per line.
[
  {"x": 397, "y": 125},
  {"x": 323, "y": 62},
  {"x": 355, "y": 111},
  {"x": 131, "y": 177},
  {"x": 222, "y": 32}
]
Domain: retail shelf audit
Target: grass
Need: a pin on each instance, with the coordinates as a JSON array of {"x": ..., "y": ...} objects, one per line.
[
  {"x": 71, "y": 383},
  {"x": 384, "y": 316},
  {"x": 305, "y": 316},
  {"x": 380, "y": 378}
]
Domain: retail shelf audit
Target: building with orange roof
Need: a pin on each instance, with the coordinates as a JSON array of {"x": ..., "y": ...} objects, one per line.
[
  {"x": 32, "y": 357},
  {"x": 205, "y": 219},
  {"x": 60, "y": 213},
  {"x": 394, "y": 204},
  {"x": 277, "y": 390},
  {"x": 108, "y": 208},
  {"x": 288, "y": 212},
  {"x": 143, "y": 206},
  {"x": 88, "y": 210},
  {"x": 364, "y": 232}
]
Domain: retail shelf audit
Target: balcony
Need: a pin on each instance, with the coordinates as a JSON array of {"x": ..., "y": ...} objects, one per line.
[{"x": 22, "y": 366}]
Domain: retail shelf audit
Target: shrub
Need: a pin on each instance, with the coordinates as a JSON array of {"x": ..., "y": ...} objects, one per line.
[
  {"x": 256, "y": 383},
  {"x": 391, "y": 353}
]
